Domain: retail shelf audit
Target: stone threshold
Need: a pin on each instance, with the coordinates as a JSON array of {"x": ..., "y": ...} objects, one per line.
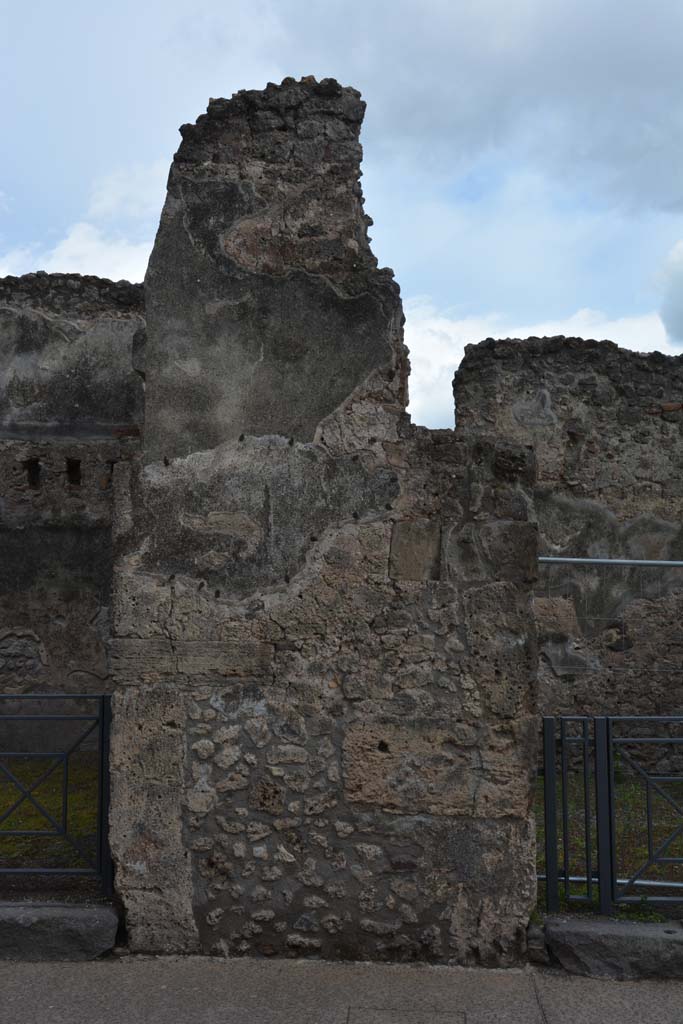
[
  {"x": 56, "y": 931},
  {"x": 602, "y": 947}
]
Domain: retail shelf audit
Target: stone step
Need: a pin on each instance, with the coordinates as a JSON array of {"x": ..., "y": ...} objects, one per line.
[{"x": 56, "y": 931}]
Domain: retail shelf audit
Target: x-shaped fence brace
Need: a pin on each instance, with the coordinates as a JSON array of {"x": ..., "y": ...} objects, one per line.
[
  {"x": 61, "y": 758},
  {"x": 652, "y": 783}
]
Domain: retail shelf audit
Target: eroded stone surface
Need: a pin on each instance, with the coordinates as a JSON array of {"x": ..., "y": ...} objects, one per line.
[
  {"x": 335, "y": 603},
  {"x": 70, "y": 411},
  {"x": 54, "y": 931},
  {"x": 264, "y": 305},
  {"x": 603, "y": 948},
  {"x": 606, "y": 426},
  {"x": 66, "y": 364}
]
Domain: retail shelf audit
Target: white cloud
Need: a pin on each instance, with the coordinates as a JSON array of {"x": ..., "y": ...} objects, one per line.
[
  {"x": 16, "y": 262},
  {"x": 85, "y": 249},
  {"x": 437, "y": 344},
  {"x": 672, "y": 300},
  {"x": 113, "y": 239},
  {"x": 115, "y": 236},
  {"x": 136, "y": 192},
  {"x": 586, "y": 93}
]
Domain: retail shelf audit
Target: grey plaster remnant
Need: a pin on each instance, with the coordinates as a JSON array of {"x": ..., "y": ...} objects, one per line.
[
  {"x": 604, "y": 948},
  {"x": 54, "y": 931},
  {"x": 265, "y": 308},
  {"x": 66, "y": 356},
  {"x": 606, "y": 425},
  {"x": 244, "y": 515}
]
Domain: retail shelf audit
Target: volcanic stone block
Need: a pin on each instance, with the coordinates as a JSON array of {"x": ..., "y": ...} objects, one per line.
[
  {"x": 438, "y": 768},
  {"x": 602, "y": 948},
  {"x": 56, "y": 931},
  {"x": 415, "y": 550}
]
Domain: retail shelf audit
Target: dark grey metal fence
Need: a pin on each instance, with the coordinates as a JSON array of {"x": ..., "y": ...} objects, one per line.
[
  {"x": 54, "y": 802},
  {"x": 612, "y": 833}
]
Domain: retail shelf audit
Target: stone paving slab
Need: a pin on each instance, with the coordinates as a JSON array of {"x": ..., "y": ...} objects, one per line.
[
  {"x": 568, "y": 999},
  {"x": 193, "y": 990}
]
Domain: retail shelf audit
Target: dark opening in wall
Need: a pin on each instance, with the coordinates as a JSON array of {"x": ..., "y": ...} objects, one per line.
[
  {"x": 73, "y": 471},
  {"x": 33, "y": 470}
]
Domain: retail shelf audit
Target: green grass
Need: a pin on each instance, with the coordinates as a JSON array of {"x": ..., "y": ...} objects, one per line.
[
  {"x": 49, "y": 851},
  {"x": 630, "y": 840}
]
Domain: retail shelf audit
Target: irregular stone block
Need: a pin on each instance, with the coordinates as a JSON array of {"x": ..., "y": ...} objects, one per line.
[
  {"x": 136, "y": 660},
  {"x": 603, "y": 948},
  {"x": 437, "y": 768},
  {"x": 56, "y": 931},
  {"x": 415, "y": 550}
]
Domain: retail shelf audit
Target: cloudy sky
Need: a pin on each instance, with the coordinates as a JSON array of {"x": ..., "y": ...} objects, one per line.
[{"x": 523, "y": 158}]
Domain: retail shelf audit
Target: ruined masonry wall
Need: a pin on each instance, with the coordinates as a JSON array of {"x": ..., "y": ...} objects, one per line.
[
  {"x": 70, "y": 409},
  {"x": 607, "y": 428},
  {"x": 323, "y": 645}
]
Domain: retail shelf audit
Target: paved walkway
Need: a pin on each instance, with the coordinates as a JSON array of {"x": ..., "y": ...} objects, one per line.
[{"x": 147, "y": 990}]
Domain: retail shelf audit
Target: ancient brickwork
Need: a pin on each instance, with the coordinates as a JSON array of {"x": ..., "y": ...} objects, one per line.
[
  {"x": 606, "y": 425},
  {"x": 323, "y": 645},
  {"x": 70, "y": 410}
]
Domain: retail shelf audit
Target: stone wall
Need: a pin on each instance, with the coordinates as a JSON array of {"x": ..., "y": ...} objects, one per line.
[
  {"x": 606, "y": 425},
  {"x": 70, "y": 410},
  {"x": 316, "y": 617},
  {"x": 323, "y": 649}
]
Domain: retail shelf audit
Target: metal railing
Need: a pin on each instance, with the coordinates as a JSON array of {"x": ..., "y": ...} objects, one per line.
[
  {"x": 652, "y": 563},
  {"x": 45, "y": 798},
  {"x": 590, "y": 785}
]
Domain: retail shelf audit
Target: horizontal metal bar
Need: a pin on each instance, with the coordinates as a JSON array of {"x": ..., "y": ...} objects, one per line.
[
  {"x": 623, "y": 740},
  {"x": 48, "y": 871},
  {"x": 27, "y": 832},
  {"x": 49, "y": 718},
  {"x": 59, "y": 754},
  {"x": 652, "y": 900},
  {"x": 655, "y": 563},
  {"x": 622, "y": 718},
  {"x": 645, "y": 718},
  {"x": 647, "y": 883},
  {"x": 53, "y": 696}
]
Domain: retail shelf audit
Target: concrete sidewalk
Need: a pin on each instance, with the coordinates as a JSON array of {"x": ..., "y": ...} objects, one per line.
[{"x": 192, "y": 990}]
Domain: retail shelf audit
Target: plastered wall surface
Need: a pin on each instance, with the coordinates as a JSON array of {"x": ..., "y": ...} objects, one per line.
[
  {"x": 70, "y": 410},
  {"x": 606, "y": 425},
  {"x": 323, "y": 645}
]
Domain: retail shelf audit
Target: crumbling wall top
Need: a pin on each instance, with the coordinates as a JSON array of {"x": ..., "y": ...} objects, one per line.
[
  {"x": 66, "y": 356},
  {"x": 265, "y": 306},
  {"x": 76, "y": 294},
  {"x": 605, "y": 422}
]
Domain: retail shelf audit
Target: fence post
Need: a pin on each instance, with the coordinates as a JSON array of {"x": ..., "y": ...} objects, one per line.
[
  {"x": 105, "y": 861},
  {"x": 603, "y": 810},
  {"x": 552, "y": 888}
]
